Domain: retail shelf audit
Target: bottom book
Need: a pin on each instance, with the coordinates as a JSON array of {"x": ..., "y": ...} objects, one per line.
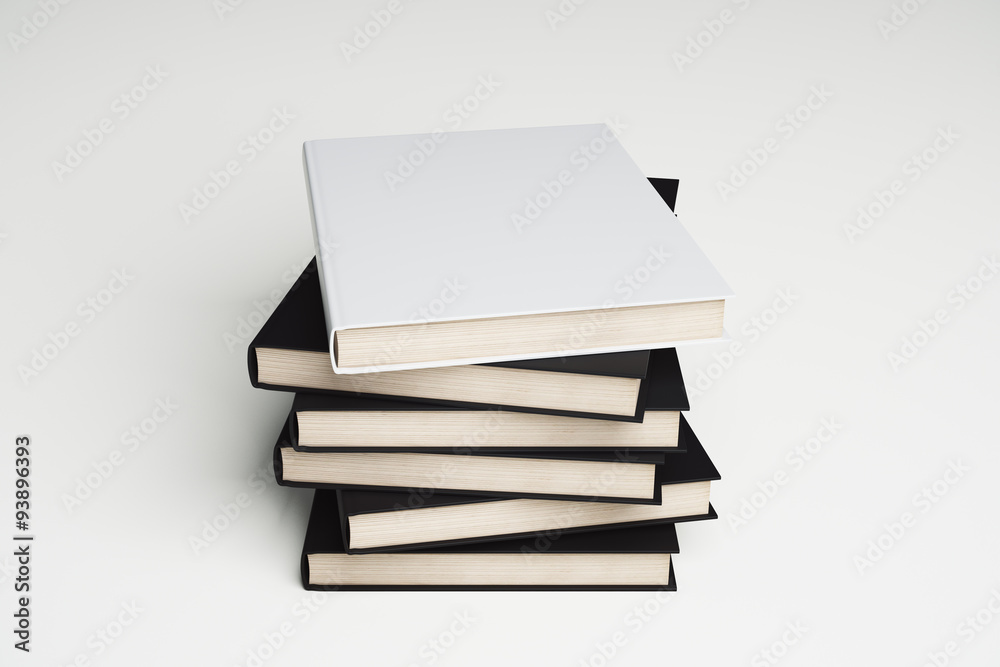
[{"x": 637, "y": 558}]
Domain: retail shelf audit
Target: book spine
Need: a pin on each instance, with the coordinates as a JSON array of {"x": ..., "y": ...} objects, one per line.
[
  {"x": 321, "y": 251},
  {"x": 279, "y": 476}
]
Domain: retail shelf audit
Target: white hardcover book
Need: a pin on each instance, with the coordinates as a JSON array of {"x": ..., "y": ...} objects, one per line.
[{"x": 497, "y": 245}]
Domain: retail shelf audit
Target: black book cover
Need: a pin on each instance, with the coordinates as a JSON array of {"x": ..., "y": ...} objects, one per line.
[
  {"x": 298, "y": 324},
  {"x": 667, "y": 189},
  {"x": 665, "y": 391},
  {"x": 626, "y": 456},
  {"x": 693, "y": 466},
  {"x": 322, "y": 537}
]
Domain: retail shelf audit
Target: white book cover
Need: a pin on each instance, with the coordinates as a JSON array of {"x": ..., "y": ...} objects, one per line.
[{"x": 493, "y": 223}]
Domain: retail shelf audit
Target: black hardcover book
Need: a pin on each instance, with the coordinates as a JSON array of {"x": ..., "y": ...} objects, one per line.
[
  {"x": 291, "y": 353},
  {"x": 325, "y": 423},
  {"x": 378, "y": 521},
  {"x": 637, "y": 558},
  {"x": 620, "y": 476}
]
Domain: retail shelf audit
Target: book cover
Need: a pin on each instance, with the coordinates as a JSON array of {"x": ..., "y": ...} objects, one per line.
[
  {"x": 330, "y": 423},
  {"x": 635, "y": 558},
  {"x": 604, "y": 247},
  {"x": 297, "y": 326},
  {"x": 600, "y": 483},
  {"x": 689, "y": 469}
]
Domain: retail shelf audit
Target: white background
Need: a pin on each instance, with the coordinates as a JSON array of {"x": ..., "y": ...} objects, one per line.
[{"x": 164, "y": 335}]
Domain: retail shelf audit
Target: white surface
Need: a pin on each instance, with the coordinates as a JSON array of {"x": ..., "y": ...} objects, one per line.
[
  {"x": 493, "y": 223},
  {"x": 163, "y": 336}
]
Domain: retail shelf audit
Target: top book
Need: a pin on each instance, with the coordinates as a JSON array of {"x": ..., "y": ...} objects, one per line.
[{"x": 477, "y": 247}]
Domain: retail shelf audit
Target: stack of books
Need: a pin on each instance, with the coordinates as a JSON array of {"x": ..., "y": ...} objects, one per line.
[{"x": 487, "y": 394}]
